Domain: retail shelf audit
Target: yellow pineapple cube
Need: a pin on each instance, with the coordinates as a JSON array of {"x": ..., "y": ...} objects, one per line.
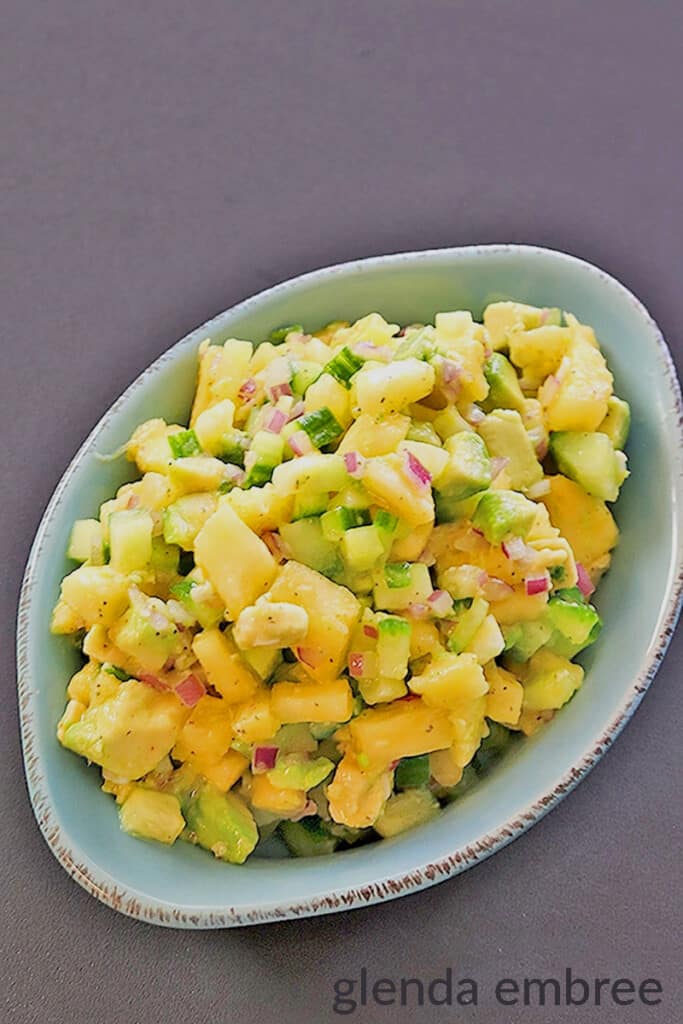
[
  {"x": 283, "y": 802},
  {"x": 386, "y": 481},
  {"x": 504, "y": 699},
  {"x": 328, "y": 392},
  {"x": 97, "y": 594},
  {"x": 404, "y": 728},
  {"x": 261, "y": 508},
  {"x": 330, "y": 701},
  {"x": 580, "y": 401},
  {"x": 254, "y": 720},
  {"x": 371, "y": 435},
  {"x": 207, "y": 733},
  {"x": 585, "y": 521},
  {"x": 224, "y": 666},
  {"x": 356, "y": 796},
  {"x": 449, "y": 680},
  {"x": 234, "y": 559},
  {"x": 332, "y": 611},
  {"x": 389, "y": 387}
]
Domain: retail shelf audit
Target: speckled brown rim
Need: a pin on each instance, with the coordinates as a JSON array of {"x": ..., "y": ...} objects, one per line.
[{"x": 134, "y": 904}]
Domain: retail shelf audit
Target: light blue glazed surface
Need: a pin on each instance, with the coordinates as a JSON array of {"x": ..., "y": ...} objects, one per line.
[{"x": 184, "y": 886}]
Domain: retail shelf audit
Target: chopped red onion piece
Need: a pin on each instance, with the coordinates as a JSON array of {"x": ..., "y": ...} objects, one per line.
[
  {"x": 514, "y": 548},
  {"x": 450, "y": 371},
  {"x": 549, "y": 389},
  {"x": 279, "y": 390},
  {"x": 418, "y": 473},
  {"x": 356, "y": 664},
  {"x": 190, "y": 690},
  {"x": 542, "y": 450},
  {"x": 133, "y": 501},
  {"x": 231, "y": 472},
  {"x": 474, "y": 414},
  {"x": 355, "y": 464},
  {"x": 263, "y": 759},
  {"x": 368, "y": 350},
  {"x": 498, "y": 464},
  {"x": 300, "y": 443},
  {"x": 440, "y": 603},
  {"x": 418, "y": 610},
  {"x": 309, "y": 808},
  {"x": 309, "y": 656},
  {"x": 371, "y": 631},
  {"x": 539, "y": 489},
  {"x": 537, "y": 585},
  {"x": 154, "y": 681},
  {"x": 298, "y": 409},
  {"x": 273, "y": 542},
  {"x": 248, "y": 390},
  {"x": 496, "y": 590},
  {"x": 584, "y": 582},
  {"x": 276, "y": 421}
]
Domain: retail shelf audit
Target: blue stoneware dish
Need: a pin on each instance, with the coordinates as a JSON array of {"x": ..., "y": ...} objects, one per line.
[{"x": 639, "y": 601}]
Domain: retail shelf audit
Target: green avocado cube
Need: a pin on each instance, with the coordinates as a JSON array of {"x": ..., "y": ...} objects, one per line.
[
  {"x": 617, "y": 422},
  {"x": 504, "y": 388},
  {"x": 502, "y": 514},
  {"x": 505, "y": 437},
  {"x": 467, "y": 472},
  {"x": 221, "y": 822},
  {"x": 308, "y": 838},
  {"x": 589, "y": 458}
]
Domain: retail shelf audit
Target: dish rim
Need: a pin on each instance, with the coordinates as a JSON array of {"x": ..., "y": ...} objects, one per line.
[{"x": 128, "y": 900}]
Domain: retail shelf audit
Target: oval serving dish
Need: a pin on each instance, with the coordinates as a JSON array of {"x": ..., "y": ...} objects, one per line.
[{"x": 639, "y": 601}]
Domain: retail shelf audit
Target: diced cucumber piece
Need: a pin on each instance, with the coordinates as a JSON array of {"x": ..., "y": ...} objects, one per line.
[
  {"x": 412, "y": 772},
  {"x": 183, "y": 520},
  {"x": 307, "y": 544},
  {"x": 234, "y": 445},
  {"x": 165, "y": 558},
  {"x": 130, "y": 540},
  {"x": 183, "y": 444},
  {"x": 417, "y": 343},
  {"x": 387, "y": 525},
  {"x": 589, "y": 458},
  {"x": 502, "y": 514},
  {"x": 279, "y": 335},
  {"x": 265, "y": 454},
  {"x": 343, "y": 366},
  {"x": 337, "y": 521},
  {"x": 467, "y": 625},
  {"x": 393, "y": 647},
  {"x": 306, "y": 372},
  {"x": 361, "y": 548},
  {"x": 322, "y": 426},
  {"x": 492, "y": 747},
  {"x": 309, "y": 503},
  {"x": 504, "y": 388},
  {"x": 617, "y": 421},
  {"x": 397, "y": 574},
  {"x": 86, "y": 543},
  {"x": 308, "y": 838},
  {"x": 396, "y": 598}
]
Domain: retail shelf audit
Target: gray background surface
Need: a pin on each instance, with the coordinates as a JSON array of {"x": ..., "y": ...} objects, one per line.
[{"x": 160, "y": 160}]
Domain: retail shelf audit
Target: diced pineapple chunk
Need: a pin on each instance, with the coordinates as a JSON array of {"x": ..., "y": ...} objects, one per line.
[
  {"x": 326, "y": 392},
  {"x": 213, "y": 424},
  {"x": 504, "y": 699},
  {"x": 222, "y": 370},
  {"x": 332, "y": 611},
  {"x": 312, "y": 702},
  {"x": 583, "y": 520},
  {"x": 254, "y": 721},
  {"x": 356, "y": 796},
  {"x": 370, "y": 435},
  {"x": 225, "y": 667},
  {"x": 149, "y": 447},
  {"x": 147, "y": 814},
  {"x": 488, "y": 642},
  {"x": 261, "y": 508},
  {"x": 469, "y": 727},
  {"x": 267, "y": 797},
  {"x": 234, "y": 559},
  {"x": 549, "y": 681},
  {"x": 386, "y": 481},
  {"x": 580, "y": 401},
  {"x": 444, "y": 769},
  {"x": 207, "y": 734},
  {"x": 97, "y": 594},
  {"x": 405, "y": 728},
  {"x": 449, "y": 680},
  {"x": 226, "y": 771},
  {"x": 390, "y": 387},
  {"x": 539, "y": 350}
]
